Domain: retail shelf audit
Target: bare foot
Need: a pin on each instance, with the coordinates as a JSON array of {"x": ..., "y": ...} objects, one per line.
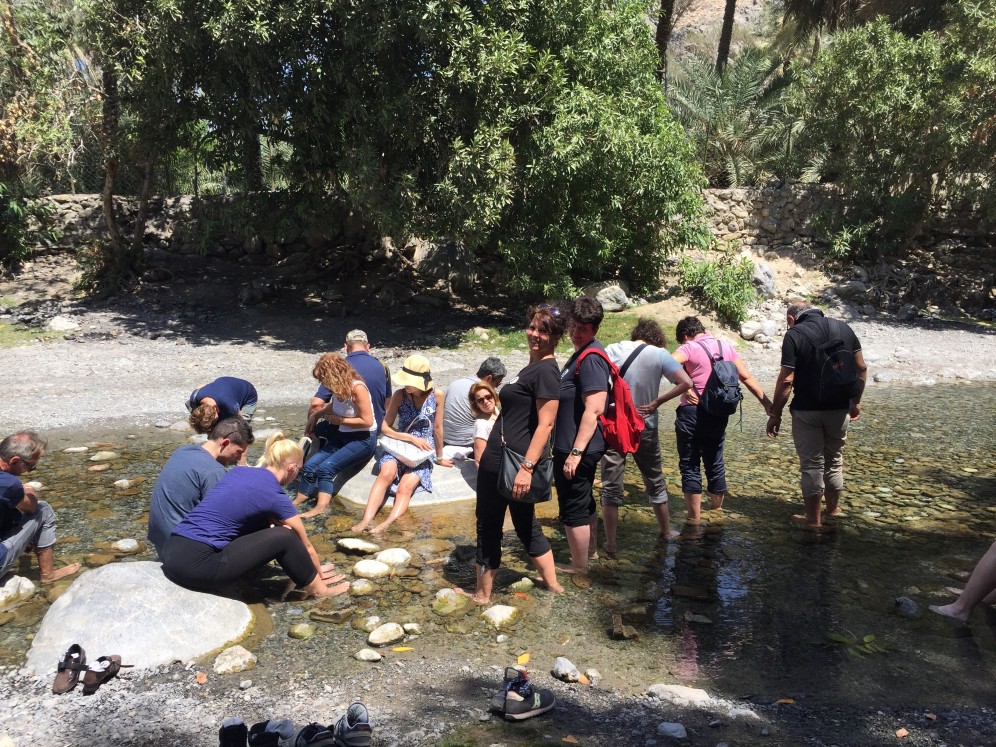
[
  {"x": 380, "y": 528},
  {"x": 593, "y": 556},
  {"x": 610, "y": 553},
  {"x": 475, "y": 597},
  {"x": 836, "y": 512},
  {"x": 949, "y": 612},
  {"x": 333, "y": 591},
  {"x": 67, "y": 570},
  {"x": 554, "y": 587},
  {"x": 803, "y": 517},
  {"x": 361, "y": 527},
  {"x": 564, "y": 568}
]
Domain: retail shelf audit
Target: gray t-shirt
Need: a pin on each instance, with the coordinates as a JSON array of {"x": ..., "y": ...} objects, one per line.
[
  {"x": 645, "y": 372},
  {"x": 458, "y": 421},
  {"x": 184, "y": 481}
]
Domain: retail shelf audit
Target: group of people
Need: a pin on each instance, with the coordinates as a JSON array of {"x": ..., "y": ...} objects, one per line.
[{"x": 211, "y": 524}]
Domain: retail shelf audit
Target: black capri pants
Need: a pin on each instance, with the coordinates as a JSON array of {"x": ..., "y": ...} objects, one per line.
[
  {"x": 700, "y": 439},
  {"x": 197, "y": 565},
  {"x": 576, "y": 496},
  {"x": 491, "y": 507}
]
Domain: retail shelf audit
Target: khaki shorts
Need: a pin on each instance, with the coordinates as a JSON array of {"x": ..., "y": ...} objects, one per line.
[
  {"x": 819, "y": 437},
  {"x": 647, "y": 458}
]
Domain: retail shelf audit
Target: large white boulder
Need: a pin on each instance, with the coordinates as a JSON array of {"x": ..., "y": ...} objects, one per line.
[
  {"x": 456, "y": 483},
  {"x": 133, "y": 610}
]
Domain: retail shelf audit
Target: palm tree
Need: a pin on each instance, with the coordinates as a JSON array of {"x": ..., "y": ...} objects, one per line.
[{"x": 726, "y": 35}]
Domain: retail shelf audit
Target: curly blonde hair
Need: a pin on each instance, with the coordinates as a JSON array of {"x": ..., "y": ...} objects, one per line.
[
  {"x": 203, "y": 418},
  {"x": 336, "y": 375},
  {"x": 280, "y": 450},
  {"x": 474, "y": 389}
]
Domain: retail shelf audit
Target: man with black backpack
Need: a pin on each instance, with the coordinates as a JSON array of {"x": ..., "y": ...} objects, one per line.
[{"x": 822, "y": 363}]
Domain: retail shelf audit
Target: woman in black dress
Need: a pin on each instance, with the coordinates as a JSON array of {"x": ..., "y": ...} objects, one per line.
[{"x": 529, "y": 404}]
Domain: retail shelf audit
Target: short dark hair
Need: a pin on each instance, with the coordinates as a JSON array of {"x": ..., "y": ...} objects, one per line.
[
  {"x": 492, "y": 367},
  {"x": 585, "y": 310},
  {"x": 235, "y": 429},
  {"x": 550, "y": 319},
  {"x": 649, "y": 331},
  {"x": 690, "y": 326}
]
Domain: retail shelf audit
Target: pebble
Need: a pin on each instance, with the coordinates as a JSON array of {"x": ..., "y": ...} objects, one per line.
[
  {"x": 386, "y": 634},
  {"x": 301, "y": 631},
  {"x": 357, "y": 546},
  {"x": 367, "y": 654},
  {"x": 99, "y": 468},
  {"x": 75, "y": 450},
  {"x": 235, "y": 659},
  {"x": 672, "y": 729},
  {"x": 361, "y": 587},
  {"x": 564, "y": 670},
  {"x": 412, "y": 628},
  {"x": 125, "y": 545}
]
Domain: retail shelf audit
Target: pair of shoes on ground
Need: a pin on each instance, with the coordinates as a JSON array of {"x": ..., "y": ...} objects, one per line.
[
  {"x": 74, "y": 662},
  {"x": 352, "y": 730},
  {"x": 518, "y": 699}
]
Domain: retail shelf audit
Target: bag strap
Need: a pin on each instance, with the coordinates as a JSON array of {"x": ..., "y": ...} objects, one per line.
[
  {"x": 719, "y": 354},
  {"x": 575, "y": 357},
  {"x": 629, "y": 361},
  {"x": 585, "y": 352}
]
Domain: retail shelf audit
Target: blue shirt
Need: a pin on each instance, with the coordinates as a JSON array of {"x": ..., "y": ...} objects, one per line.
[
  {"x": 185, "y": 479},
  {"x": 374, "y": 375},
  {"x": 11, "y": 493},
  {"x": 230, "y": 393},
  {"x": 244, "y": 501}
]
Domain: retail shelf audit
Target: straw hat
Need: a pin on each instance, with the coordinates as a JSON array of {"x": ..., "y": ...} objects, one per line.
[{"x": 414, "y": 372}]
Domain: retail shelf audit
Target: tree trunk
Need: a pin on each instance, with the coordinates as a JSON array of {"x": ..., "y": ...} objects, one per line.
[
  {"x": 725, "y": 36},
  {"x": 109, "y": 136},
  {"x": 665, "y": 25},
  {"x": 817, "y": 41},
  {"x": 138, "y": 238},
  {"x": 252, "y": 161}
]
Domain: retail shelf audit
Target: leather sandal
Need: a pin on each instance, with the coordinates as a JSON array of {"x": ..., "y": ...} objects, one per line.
[
  {"x": 107, "y": 669},
  {"x": 70, "y": 667}
]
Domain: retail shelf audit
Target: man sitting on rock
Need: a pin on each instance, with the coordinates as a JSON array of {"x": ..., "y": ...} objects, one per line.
[
  {"x": 458, "y": 420},
  {"x": 191, "y": 472},
  {"x": 26, "y": 521}
]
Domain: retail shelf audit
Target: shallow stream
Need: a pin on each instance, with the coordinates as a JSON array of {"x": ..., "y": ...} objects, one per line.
[{"x": 743, "y": 606}]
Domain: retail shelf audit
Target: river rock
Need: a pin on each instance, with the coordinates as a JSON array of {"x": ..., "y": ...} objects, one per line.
[
  {"x": 593, "y": 675},
  {"x": 62, "y": 324},
  {"x": 500, "y": 616},
  {"x": 770, "y": 327},
  {"x": 907, "y": 607},
  {"x": 105, "y": 456},
  {"x": 75, "y": 450},
  {"x": 521, "y": 586},
  {"x": 99, "y": 468},
  {"x": 749, "y": 329},
  {"x": 448, "y": 602},
  {"x": 564, "y": 669},
  {"x": 672, "y": 729},
  {"x": 355, "y": 546},
  {"x": 367, "y": 654},
  {"x": 680, "y": 695},
  {"x": 324, "y": 614},
  {"x": 371, "y": 569},
  {"x": 851, "y": 289},
  {"x": 361, "y": 588},
  {"x": 133, "y": 610},
  {"x": 366, "y": 624},
  {"x": 764, "y": 279},
  {"x": 15, "y": 589},
  {"x": 613, "y": 298},
  {"x": 907, "y": 313},
  {"x": 126, "y": 546},
  {"x": 301, "y": 631},
  {"x": 396, "y": 557},
  {"x": 234, "y": 659},
  {"x": 129, "y": 483},
  {"x": 386, "y": 634}
]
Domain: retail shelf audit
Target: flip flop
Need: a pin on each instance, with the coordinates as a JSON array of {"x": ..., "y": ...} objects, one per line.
[
  {"x": 70, "y": 667},
  {"x": 107, "y": 669}
]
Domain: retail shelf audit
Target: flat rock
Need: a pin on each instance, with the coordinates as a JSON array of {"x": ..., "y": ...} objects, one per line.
[
  {"x": 448, "y": 602},
  {"x": 500, "y": 616},
  {"x": 371, "y": 569},
  {"x": 680, "y": 695},
  {"x": 672, "y": 729},
  {"x": 524, "y": 584},
  {"x": 385, "y": 634},
  {"x": 367, "y": 654},
  {"x": 125, "y": 545},
  {"x": 75, "y": 450},
  {"x": 449, "y": 484},
  {"x": 105, "y": 456},
  {"x": 234, "y": 659},
  {"x": 15, "y": 589},
  {"x": 133, "y": 610},
  {"x": 355, "y": 546},
  {"x": 564, "y": 669},
  {"x": 361, "y": 588},
  {"x": 301, "y": 631},
  {"x": 396, "y": 557}
]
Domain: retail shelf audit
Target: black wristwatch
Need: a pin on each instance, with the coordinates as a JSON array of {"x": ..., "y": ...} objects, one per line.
[
  {"x": 575, "y": 452},
  {"x": 527, "y": 464}
]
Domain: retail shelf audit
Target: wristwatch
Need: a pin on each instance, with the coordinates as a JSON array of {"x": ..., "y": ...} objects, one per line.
[
  {"x": 527, "y": 464},
  {"x": 575, "y": 452}
]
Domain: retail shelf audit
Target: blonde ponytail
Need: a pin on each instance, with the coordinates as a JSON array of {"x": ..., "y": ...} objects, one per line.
[{"x": 279, "y": 450}]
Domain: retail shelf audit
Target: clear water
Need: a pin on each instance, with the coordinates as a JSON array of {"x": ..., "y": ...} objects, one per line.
[{"x": 756, "y": 594}]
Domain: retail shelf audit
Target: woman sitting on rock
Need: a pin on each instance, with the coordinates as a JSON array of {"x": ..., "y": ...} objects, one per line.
[
  {"x": 418, "y": 408},
  {"x": 351, "y": 445},
  {"x": 244, "y": 522},
  {"x": 484, "y": 408}
]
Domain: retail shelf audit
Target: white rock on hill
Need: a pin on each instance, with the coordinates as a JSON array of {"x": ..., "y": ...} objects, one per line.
[{"x": 133, "y": 610}]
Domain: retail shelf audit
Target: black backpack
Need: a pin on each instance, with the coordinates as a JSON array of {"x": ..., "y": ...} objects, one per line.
[
  {"x": 835, "y": 375},
  {"x": 721, "y": 394}
]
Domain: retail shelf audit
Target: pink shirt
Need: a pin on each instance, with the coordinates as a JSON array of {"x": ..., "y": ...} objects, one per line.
[{"x": 698, "y": 364}]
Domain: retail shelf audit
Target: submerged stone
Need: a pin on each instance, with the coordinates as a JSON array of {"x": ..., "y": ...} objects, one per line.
[
  {"x": 367, "y": 654},
  {"x": 371, "y": 569},
  {"x": 301, "y": 631},
  {"x": 234, "y": 659},
  {"x": 564, "y": 669},
  {"x": 448, "y": 602},
  {"x": 361, "y": 587},
  {"x": 105, "y": 456},
  {"x": 395, "y": 557},
  {"x": 15, "y": 589},
  {"x": 500, "y": 616},
  {"x": 356, "y": 546},
  {"x": 386, "y": 634},
  {"x": 523, "y": 585}
]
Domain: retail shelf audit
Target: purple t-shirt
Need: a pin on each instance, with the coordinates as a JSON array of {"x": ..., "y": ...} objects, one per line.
[
  {"x": 699, "y": 365},
  {"x": 244, "y": 501},
  {"x": 231, "y": 394}
]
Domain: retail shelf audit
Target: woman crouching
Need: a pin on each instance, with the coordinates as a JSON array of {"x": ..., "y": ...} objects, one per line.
[{"x": 244, "y": 522}]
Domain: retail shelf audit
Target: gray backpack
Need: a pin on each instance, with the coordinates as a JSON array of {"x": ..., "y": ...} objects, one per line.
[{"x": 721, "y": 395}]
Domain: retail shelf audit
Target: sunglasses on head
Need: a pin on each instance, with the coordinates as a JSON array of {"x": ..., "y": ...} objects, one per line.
[{"x": 554, "y": 311}]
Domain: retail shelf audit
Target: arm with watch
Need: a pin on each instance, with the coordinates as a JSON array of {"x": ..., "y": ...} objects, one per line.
[
  {"x": 437, "y": 431},
  {"x": 546, "y": 412},
  {"x": 594, "y": 405}
]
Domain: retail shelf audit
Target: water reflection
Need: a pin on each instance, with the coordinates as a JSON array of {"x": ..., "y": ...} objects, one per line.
[{"x": 741, "y": 605}]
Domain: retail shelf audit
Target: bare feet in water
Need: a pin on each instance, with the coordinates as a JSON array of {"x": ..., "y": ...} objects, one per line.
[
  {"x": 474, "y": 597},
  {"x": 361, "y": 527},
  {"x": 565, "y": 568},
  {"x": 554, "y": 587},
  {"x": 950, "y": 611},
  {"x": 66, "y": 570},
  {"x": 334, "y": 591}
]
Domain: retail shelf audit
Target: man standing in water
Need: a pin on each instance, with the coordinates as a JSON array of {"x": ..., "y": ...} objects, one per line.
[
  {"x": 822, "y": 363},
  {"x": 26, "y": 521},
  {"x": 191, "y": 472}
]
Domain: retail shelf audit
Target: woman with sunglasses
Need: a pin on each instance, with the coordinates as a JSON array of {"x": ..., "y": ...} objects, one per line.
[
  {"x": 528, "y": 410},
  {"x": 483, "y": 406},
  {"x": 244, "y": 522}
]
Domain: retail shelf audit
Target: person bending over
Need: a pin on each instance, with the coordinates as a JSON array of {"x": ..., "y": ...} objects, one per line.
[{"x": 244, "y": 522}]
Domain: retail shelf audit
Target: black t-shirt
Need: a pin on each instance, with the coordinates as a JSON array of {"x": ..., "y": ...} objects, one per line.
[
  {"x": 518, "y": 410},
  {"x": 798, "y": 354},
  {"x": 593, "y": 377},
  {"x": 11, "y": 494}
]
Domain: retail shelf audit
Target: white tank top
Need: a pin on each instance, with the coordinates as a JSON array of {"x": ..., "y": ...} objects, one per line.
[{"x": 347, "y": 409}]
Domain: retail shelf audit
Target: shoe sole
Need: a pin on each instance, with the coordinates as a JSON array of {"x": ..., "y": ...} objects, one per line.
[{"x": 529, "y": 714}]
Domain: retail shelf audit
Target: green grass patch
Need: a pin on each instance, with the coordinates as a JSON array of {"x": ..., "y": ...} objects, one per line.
[
  {"x": 7, "y": 302},
  {"x": 12, "y": 335}
]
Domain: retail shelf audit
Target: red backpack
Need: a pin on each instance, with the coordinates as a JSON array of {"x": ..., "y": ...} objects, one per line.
[{"x": 622, "y": 423}]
